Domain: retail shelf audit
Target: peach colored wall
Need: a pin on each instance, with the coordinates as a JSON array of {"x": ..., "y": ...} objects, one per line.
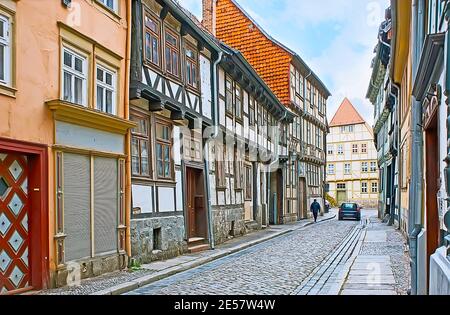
[{"x": 26, "y": 117}]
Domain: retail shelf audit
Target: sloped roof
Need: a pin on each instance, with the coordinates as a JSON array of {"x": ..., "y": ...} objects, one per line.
[{"x": 346, "y": 115}]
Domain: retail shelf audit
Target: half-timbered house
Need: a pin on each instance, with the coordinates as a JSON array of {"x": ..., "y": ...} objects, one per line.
[
  {"x": 247, "y": 150},
  {"x": 301, "y": 177},
  {"x": 171, "y": 102}
]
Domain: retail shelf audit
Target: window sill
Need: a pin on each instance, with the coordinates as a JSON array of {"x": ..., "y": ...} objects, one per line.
[
  {"x": 88, "y": 117},
  {"x": 7, "y": 91},
  {"x": 109, "y": 12}
]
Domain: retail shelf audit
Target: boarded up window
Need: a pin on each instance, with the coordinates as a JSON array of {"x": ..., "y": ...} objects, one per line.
[
  {"x": 77, "y": 206},
  {"x": 105, "y": 205}
]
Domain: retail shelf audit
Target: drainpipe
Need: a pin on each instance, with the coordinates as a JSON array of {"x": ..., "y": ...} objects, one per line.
[
  {"x": 416, "y": 191},
  {"x": 128, "y": 135},
  {"x": 399, "y": 197},
  {"x": 395, "y": 161},
  {"x": 206, "y": 154}
]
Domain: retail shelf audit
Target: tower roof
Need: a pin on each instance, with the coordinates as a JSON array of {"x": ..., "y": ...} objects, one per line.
[{"x": 346, "y": 115}]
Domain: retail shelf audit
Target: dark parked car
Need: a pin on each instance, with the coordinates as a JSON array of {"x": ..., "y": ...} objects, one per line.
[{"x": 350, "y": 210}]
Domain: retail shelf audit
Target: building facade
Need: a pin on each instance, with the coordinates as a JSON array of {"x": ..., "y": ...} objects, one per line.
[
  {"x": 63, "y": 141},
  {"x": 380, "y": 95},
  {"x": 352, "y": 168},
  {"x": 301, "y": 177},
  {"x": 416, "y": 84}
]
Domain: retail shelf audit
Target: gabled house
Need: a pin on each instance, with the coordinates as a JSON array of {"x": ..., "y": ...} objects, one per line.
[
  {"x": 301, "y": 178},
  {"x": 352, "y": 168},
  {"x": 172, "y": 80}
]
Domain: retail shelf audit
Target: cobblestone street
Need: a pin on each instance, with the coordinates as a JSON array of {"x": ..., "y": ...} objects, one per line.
[{"x": 279, "y": 266}]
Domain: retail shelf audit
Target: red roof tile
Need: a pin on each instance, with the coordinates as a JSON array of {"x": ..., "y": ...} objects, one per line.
[{"x": 346, "y": 115}]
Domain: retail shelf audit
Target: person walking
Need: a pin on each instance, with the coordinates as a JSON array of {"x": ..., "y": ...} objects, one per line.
[{"x": 315, "y": 209}]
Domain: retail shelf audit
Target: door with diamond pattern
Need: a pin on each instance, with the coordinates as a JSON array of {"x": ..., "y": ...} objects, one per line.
[{"x": 14, "y": 233}]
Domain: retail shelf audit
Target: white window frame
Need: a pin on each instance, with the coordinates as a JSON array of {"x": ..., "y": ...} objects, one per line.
[
  {"x": 374, "y": 188},
  {"x": 347, "y": 170},
  {"x": 364, "y": 188},
  {"x": 340, "y": 149},
  {"x": 114, "y": 8},
  {"x": 330, "y": 149},
  {"x": 364, "y": 167},
  {"x": 84, "y": 75},
  {"x": 6, "y": 43},
  {"x": 331, "y": 169},
  {"x": 105, "y": 86}
]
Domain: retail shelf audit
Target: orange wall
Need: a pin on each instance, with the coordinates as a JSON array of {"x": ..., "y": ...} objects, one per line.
[
  {"x": 270, "y": 61},
  {"x": 26, "y": 117}
]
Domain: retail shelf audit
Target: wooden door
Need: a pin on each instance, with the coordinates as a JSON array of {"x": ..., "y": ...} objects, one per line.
[
  {"x": 196, "y": 216},
  {"x": 15, "y": 273},
  {"x": 302, "y": 208},
  {"x": 341, "y": 197},
  {"x": 190, "y": 179},
  {"x": 432, "y": 187}
]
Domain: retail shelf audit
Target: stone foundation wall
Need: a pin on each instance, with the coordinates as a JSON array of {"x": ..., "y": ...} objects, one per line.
[
  {"x": 223, "y": 218},
  {"x": 289, "y": 218},
  {"x": 73, "y": 272},
  {"x": 172, "y": 239}
]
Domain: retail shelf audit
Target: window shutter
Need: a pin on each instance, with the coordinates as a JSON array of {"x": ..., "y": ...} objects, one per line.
[
  {"x": 105, "y": 205},
  {"x": 77, "y": 206}
]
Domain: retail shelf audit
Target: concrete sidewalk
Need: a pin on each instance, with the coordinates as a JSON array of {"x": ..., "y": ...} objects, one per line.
[
  {"x": 379, "y": 266},
  {"x": 125, "y": 281}
]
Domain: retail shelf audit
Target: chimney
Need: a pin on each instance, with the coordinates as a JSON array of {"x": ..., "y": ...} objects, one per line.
[{"x": 209, "y": 15}]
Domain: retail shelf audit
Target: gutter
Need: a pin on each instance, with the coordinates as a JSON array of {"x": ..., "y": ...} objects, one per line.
[
  {"x": 416, "y": 191},
  {"x": 214, "y": 79},
  {"x": 128, "y": 135}
]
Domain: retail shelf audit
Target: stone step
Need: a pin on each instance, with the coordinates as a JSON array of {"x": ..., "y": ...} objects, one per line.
[{"x": 198, "y": 248}]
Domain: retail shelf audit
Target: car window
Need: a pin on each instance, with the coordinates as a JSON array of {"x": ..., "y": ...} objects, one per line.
[{"x": 348, "y": 206}]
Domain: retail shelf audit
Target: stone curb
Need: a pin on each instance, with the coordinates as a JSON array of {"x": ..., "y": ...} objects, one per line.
[
  {"x": 337, "y": 288},
  {"x": 146, "y": 280}
]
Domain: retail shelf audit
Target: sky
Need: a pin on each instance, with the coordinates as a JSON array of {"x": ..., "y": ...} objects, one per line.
[{"x": 336, "y": 38}]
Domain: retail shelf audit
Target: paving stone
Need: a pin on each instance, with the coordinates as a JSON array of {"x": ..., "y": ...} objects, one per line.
[{"x": 368, "y": 292}]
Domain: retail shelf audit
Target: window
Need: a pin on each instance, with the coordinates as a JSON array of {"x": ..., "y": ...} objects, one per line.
[
  {"x": 191, "y": 67},
  {"x": 331, "y": 169},
  {"x": 172, "y": 53},
  {"x": 347, "y": 169},
  {"x": 330, "y": 149},
  {"x": 229, "y": 96},
  {"x": 163, "y": 151},
  {"x": 364, "y": 148},
  {"x": 308, "y": 91},
  {"x": 364, "y": 167},
  {"x": 364, "y": 188},
  {"x": 248, "y": 182},
  {"x": 318, "y": 138},
  {"x": 341, "y": 186},
  {"x": 5, "y": 50},
  {"x": 340, "y": 149},
  {"x": 74, "y": 81},
  {"x": 355, "y": 149},
  {"x": 251, "y": 112},
  {"x": 152, "y": 40},
  {"x": 140, "y": 147},
  {"x": 106, "y": 90},
  {"x": 111, "y": 4},
  {"x": 373, "y": 167},
  {"x": 374, "y": 188},
  {"x": 238, "y": 169},
  {"x": 238, "y": 101},
  {"x": 351, "y": 128},
  {"x": 220, "y": 166}
]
